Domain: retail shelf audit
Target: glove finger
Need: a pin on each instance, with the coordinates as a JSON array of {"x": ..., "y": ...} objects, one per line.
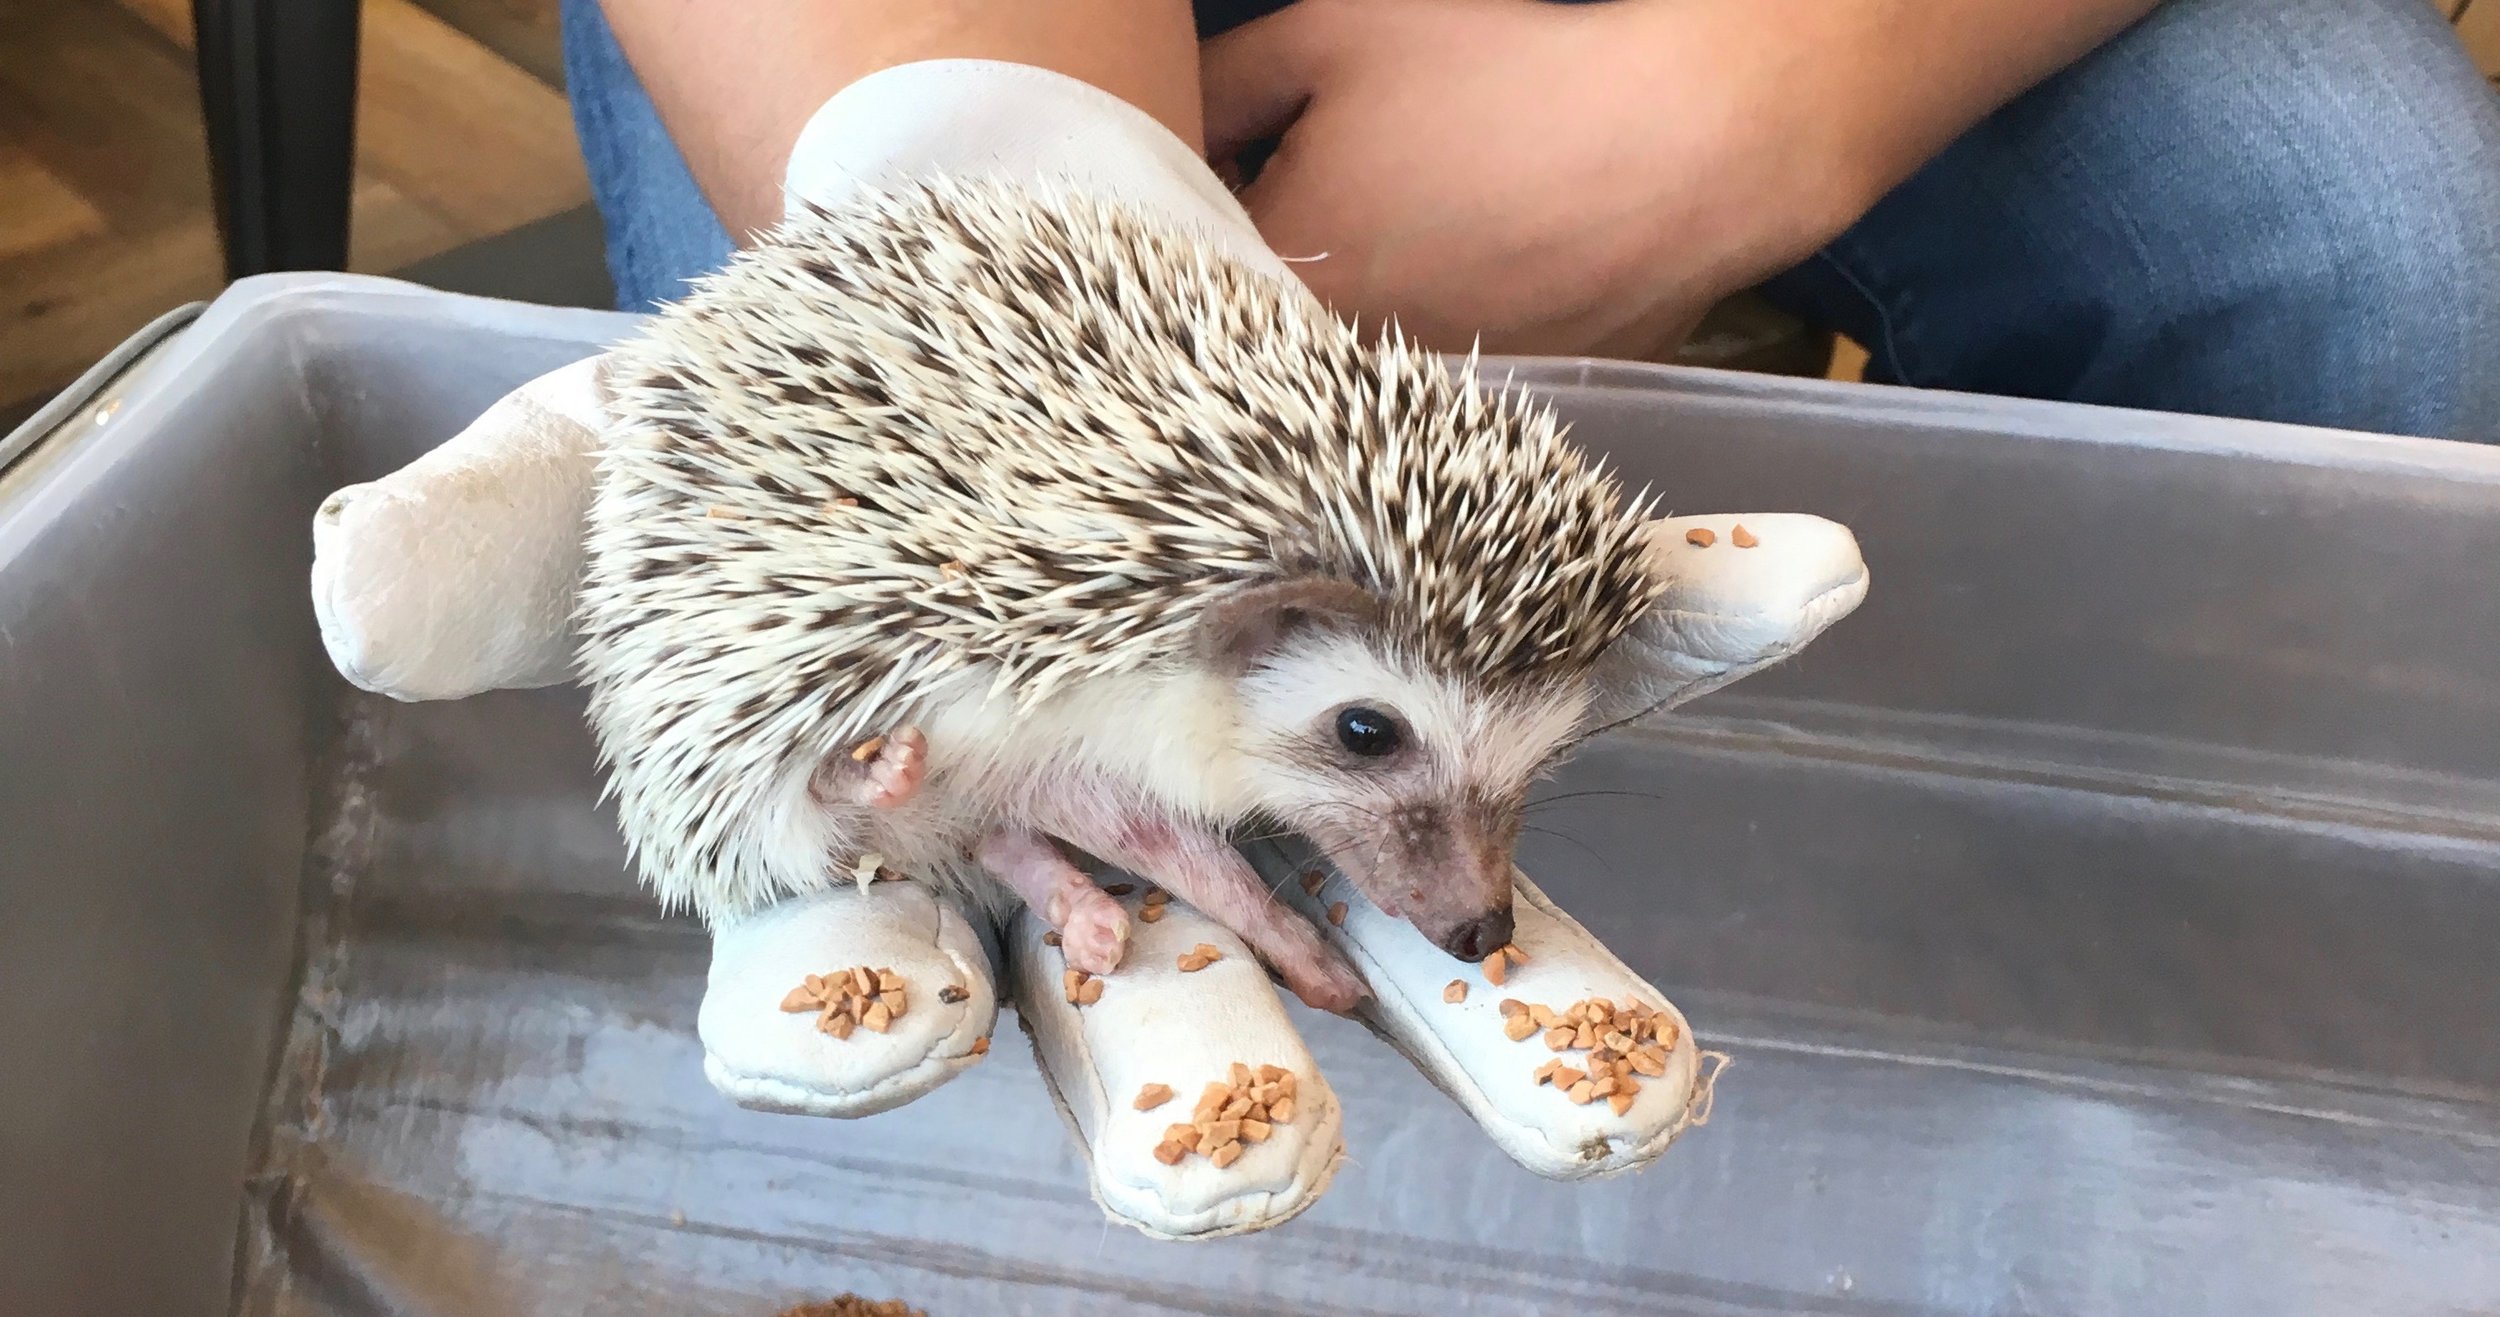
[
  {"x": 457, "y": 573},
  {"x": 1645, "y": 1087},
  {"x": 1109, "y": 1050},
  {"x": 774, "y": 1042},
  {"x": 970, "y": 119},
  {"x": 1733, "y": 603}
]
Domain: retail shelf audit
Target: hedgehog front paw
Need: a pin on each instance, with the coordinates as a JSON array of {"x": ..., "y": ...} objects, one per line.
[
  {"x": 880, "y": 772},
  {"x": 894, "y": 772},
  {"x": 1317, "y": 973},
  {"x": 1093, "y": 930}
]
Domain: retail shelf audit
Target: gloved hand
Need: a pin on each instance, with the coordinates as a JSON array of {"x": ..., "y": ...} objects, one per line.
[{"x": 457, "y": 575}]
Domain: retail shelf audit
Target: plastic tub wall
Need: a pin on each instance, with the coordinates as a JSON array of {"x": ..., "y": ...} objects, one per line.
[{"x": 2105, "y": 919}]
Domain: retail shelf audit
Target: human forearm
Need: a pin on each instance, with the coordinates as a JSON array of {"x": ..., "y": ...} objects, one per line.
[
  {"x": 735, "y": 82},
  {"x": 1870, "y": 90}
]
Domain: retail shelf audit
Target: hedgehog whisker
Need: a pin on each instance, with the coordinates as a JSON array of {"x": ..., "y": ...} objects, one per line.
[
  {"x": 1591, "y": 851},
  {"x": 1542, "y": 801}
]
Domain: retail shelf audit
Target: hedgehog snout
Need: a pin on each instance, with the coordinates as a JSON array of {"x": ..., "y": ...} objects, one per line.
[
  {"x": 1445, "y": 868},
  {"x": 1480, "y": 937}
]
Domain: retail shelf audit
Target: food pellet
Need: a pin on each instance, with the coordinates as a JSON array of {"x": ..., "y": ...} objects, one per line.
[
  {"x": 1243, "y": 1108},
  {"x": 1152, "y": 914},
  {"x": 1121, "y": 889},
  {"x": 867, "y": 750},
  {"x": 1312, "y": 881},
  {"x": 1090, "y": 993},
  {"x": 1518, "y": 1027},
  {"x": 851, "y": 1305},
  {"x": 1456, "y": 992},
  {"x": 952, "y": 993},
  {"x": 1496, "y": 969},
  {"x": 848, "y": 999},
  {"x": 1742, "y": 538},
  {"x": 981, "y": 1045},
  {"x": 1336, "y": 914},
  {"x": 1157, "y": 896},
  {"x": 1623, "y": 1043},
  {"x": 1700, "y": 537},
  {"x": 1152, "y": 1096}
]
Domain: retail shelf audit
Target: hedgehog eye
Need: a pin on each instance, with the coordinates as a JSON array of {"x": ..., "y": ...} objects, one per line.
[{"x": 1367, "y": 732}]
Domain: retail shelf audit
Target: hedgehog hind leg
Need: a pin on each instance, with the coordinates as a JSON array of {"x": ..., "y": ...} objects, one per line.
[
  {"x": 1093, "y": 928},
  {"x": 880, "y": 773}
]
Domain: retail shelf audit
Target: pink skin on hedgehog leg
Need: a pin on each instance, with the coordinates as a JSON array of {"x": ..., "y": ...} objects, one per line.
[
  {"x": 1093, "y": 929},
  {"x": 882, "y": 781},
  {"x": 1202, "y": 868}
]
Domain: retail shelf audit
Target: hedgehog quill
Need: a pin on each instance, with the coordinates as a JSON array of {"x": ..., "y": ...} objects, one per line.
[{"x": 966, "y": 525}]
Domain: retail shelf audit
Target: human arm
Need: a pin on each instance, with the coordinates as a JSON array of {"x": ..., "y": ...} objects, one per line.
[
  {"x": 1590, "y": 178},
  {"x": 734, "y": 83}
]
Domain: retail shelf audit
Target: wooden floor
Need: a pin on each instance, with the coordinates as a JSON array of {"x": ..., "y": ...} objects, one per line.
[{"x": 462, "y": 133}]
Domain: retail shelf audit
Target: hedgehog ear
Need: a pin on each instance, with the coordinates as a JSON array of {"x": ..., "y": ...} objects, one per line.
[{"x": 1249, "y": 623}]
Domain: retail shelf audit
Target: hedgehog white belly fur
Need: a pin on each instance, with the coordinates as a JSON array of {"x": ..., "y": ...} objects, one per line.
[{"x": 993, "y": 461}]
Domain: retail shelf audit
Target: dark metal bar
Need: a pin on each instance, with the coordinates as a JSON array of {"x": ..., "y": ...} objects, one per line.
[{"x": 278, "y": 91}]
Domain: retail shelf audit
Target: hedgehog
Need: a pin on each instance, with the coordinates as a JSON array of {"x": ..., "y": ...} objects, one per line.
[{"x": 984, "y": 532}]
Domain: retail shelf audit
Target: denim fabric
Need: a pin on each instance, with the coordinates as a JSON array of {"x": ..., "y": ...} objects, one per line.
[
  {"x": 2279, "y": 209},
  {"x": 660, "y": 230}
]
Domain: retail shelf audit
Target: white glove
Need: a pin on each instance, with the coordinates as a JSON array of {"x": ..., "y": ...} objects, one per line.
[{"x": 457, "y": 574}]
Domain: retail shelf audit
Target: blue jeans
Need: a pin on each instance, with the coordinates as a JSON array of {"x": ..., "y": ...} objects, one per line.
[{"x": 2277, "y": 209}]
